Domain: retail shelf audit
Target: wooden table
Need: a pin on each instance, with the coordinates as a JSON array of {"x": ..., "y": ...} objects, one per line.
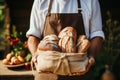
[{"x": 15, "y": 74}]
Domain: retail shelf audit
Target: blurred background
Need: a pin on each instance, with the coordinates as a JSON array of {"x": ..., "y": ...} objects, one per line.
[{"x": 14, "y": 19}]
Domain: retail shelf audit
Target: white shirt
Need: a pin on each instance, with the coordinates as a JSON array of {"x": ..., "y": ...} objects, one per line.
[{"x": 90, "y": 11}]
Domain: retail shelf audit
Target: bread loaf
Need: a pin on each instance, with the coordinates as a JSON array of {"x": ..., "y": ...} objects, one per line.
[
  {"x": 83, "y": 44},
  {"x": 67, "y": 40},
  {"x": 52, "y": 38},
  {"x": 49, "y": 42}
]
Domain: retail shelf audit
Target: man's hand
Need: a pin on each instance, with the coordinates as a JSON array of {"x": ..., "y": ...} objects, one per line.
[{"x": 90, "y": 63}]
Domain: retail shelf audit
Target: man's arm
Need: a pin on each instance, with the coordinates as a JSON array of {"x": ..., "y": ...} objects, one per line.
[
  {"x": 96, "y": 44},
  {"x": 32, "y": 44}
]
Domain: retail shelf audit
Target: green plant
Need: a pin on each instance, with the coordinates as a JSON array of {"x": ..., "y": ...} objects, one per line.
[
  {"x": 2, "y": 16},
  {"x": 112, "y": 41}
]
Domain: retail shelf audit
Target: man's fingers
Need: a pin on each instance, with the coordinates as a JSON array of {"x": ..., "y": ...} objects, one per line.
[
  {"x": 90, "y": 63},
  {"x": 34, "y": 58},
  {"x": 91, "y": 60}
]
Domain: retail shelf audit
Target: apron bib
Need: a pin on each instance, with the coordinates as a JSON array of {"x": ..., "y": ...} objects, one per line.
[{"x": 55, "y": 22}]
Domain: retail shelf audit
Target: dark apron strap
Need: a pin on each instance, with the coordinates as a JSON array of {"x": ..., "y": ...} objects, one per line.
[
  {"x": 50, "y": 6},
  {"x": 79, "y": 6}
]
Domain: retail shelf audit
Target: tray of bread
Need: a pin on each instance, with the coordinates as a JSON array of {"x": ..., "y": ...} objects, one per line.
[{"x": 13, "y": 61}]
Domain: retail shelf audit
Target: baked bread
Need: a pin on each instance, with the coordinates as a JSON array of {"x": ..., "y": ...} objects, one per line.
[
  {"x": 81, "y": 37},
  {"x": 83, "y": 44},
  {"x": 67, "y": 40},
  {"x": 52, "y": 38},
  {"x": 49, "y": 42}
]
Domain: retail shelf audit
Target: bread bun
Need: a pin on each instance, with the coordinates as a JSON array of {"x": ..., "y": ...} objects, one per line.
[
  {"x": 21, "y": 59},
  {"x": 15, "y": 60},
  {"x": 5, "y": 61},
  {"x": 67, "y": 40},
  {"x": 9, "y": 56},
  {"x": 83, "y": 44},
  {"x": 49, "y": 42}
]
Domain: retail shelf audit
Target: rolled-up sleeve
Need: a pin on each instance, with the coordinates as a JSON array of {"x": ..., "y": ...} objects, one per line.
[
  {"x": 35, "y": 22},
  {"x": 96, "y": 22}
]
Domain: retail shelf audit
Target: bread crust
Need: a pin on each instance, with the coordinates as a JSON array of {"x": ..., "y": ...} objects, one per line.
[
  {"x": 67, "y": 40},
  {"x": 49, "y": 43},
  {"x": 83, "y": 44}
]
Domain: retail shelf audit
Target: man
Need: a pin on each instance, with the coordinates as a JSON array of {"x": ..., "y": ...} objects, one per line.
[{"x": 51, "y": 16}]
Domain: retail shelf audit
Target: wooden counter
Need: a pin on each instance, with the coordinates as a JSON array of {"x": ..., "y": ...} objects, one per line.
[{"x": 15, "y": 74}]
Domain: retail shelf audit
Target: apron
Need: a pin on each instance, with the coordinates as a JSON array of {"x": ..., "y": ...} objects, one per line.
[{"x": 54, "y": 23}]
